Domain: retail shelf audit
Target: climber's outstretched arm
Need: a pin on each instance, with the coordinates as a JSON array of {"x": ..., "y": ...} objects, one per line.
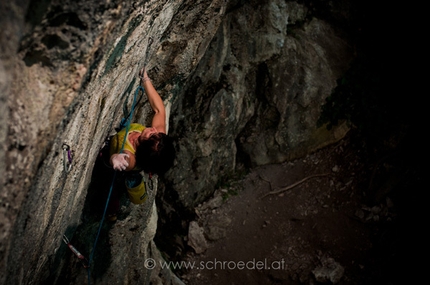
[{"x": 159, "y": 119}]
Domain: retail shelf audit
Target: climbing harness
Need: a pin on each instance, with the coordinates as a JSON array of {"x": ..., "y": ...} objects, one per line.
[
  {"x": 82, "y": 258},
  {"x": 67, "y": 157}
]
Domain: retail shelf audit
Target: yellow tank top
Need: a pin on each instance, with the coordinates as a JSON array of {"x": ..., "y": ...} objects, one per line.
[{"x": 117, "y": 140}]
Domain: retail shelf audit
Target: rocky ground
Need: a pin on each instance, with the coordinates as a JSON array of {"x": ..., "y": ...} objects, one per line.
[{"x": 327, "y": 218}]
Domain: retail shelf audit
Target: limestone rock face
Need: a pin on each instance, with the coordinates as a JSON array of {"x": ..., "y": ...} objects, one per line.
[{"x": 243, "y": 82}]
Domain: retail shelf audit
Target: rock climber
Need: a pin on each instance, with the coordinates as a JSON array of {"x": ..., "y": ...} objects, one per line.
[{"x": 146, "y": 148}]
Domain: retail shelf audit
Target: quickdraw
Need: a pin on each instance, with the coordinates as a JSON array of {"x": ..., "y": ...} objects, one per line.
[
  {"x": 82, "y": 258},
  {"x": 67, "y": 157}
]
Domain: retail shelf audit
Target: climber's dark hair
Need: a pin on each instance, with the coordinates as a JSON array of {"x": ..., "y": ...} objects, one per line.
[{"x": 156, "y": 154}]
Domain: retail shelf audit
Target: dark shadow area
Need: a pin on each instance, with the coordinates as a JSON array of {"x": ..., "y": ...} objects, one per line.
[
  {"x": 52, "y": 41},
  {"x": 377, "y": 96},
  {"x": 36, "y": 11},
  {"x": 172, "y": 224},
  {"x": 37, "y": 56},
  {"x": 394, "y": 173}
]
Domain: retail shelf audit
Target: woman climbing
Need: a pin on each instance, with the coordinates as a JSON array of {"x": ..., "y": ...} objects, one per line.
[{"x": 146, "y": 148}]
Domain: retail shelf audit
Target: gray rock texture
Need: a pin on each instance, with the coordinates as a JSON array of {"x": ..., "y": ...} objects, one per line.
[
  {"x": 243, "y": 82},
  {"x": 255, "y": 96}
]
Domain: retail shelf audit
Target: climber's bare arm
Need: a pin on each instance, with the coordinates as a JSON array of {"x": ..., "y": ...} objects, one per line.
[{"x": 157, "y": 104}]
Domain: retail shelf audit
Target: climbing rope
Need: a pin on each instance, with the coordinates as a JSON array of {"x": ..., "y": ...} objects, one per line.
[{"x": 125, "y": 122}]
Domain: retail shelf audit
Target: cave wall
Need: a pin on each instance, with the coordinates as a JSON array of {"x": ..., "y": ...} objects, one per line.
[
  {"x": 255, "y": 96},
  {"x": 243, "y": 82}
]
